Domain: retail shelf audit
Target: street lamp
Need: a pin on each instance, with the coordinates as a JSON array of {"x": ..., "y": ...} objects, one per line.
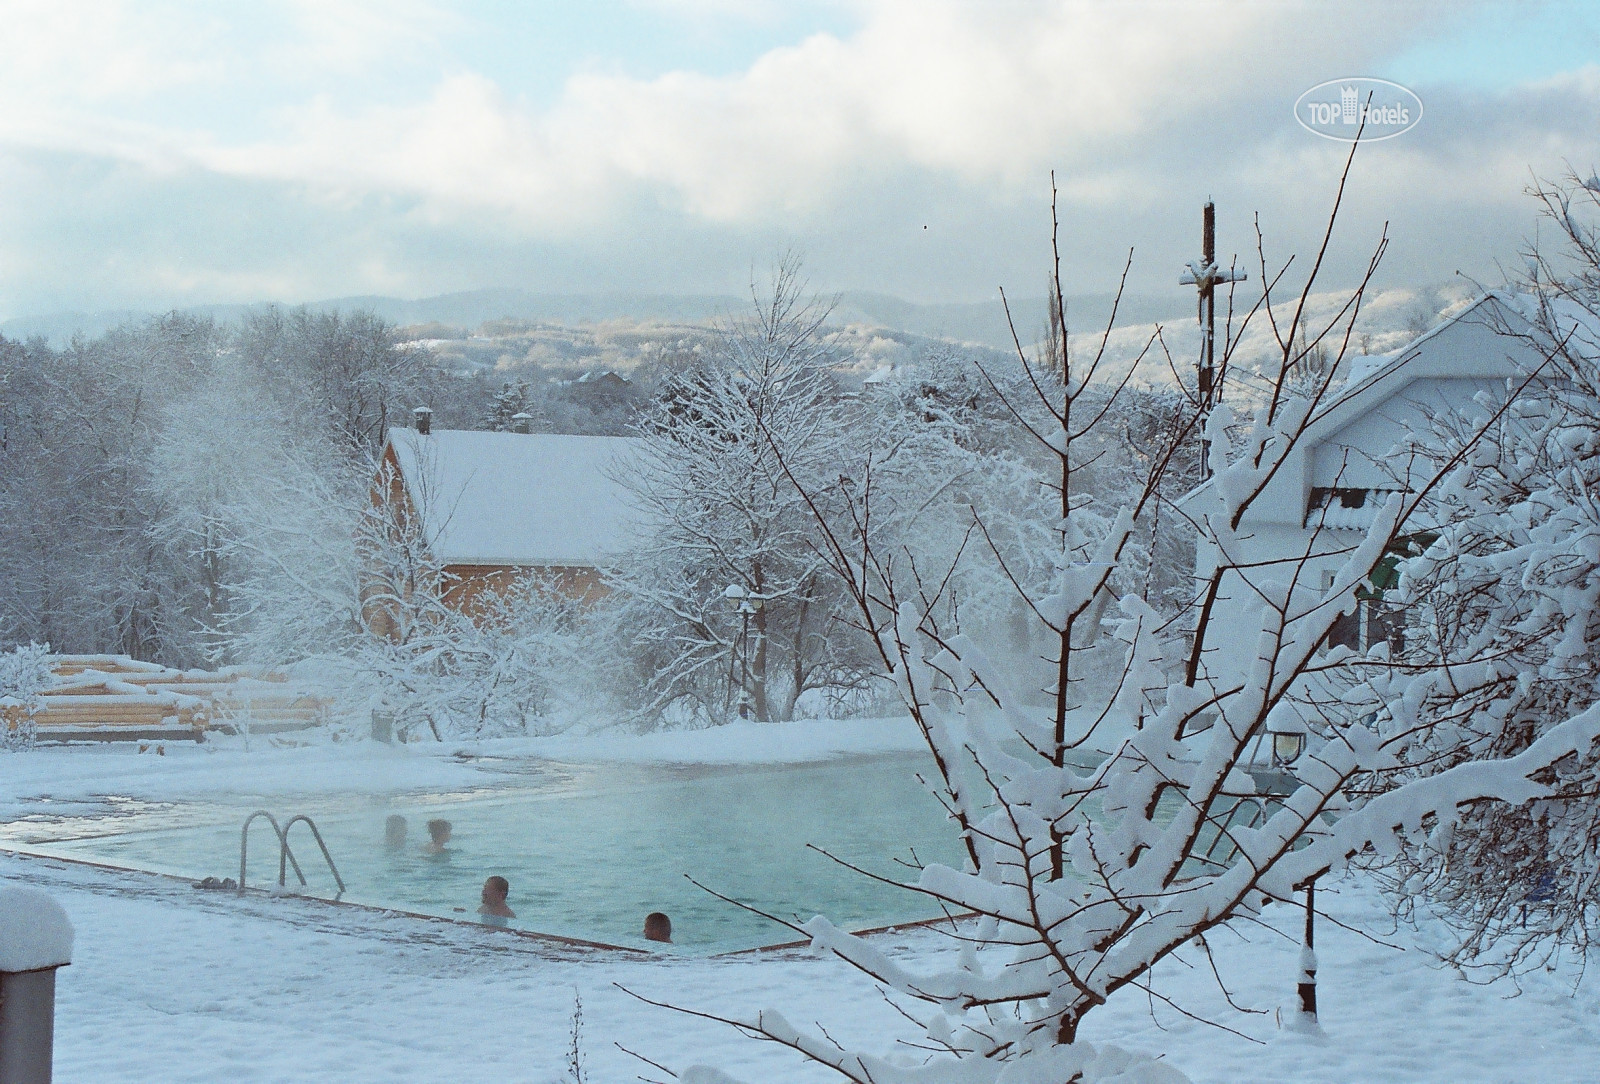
[
  {"x": 1289, "y": 735},
  {"x": 745, "y": 604}
]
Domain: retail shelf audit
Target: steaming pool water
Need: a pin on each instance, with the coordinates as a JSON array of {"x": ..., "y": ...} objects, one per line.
[{"x": 589, "y": 850}]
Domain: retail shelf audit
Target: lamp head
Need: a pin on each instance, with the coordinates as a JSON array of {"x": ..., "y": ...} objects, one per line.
[{"x": 1289, "y": 734}]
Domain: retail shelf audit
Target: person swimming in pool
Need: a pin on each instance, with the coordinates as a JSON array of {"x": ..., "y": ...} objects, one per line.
[
  {"x": 438, "y": 836},
  {"x": 494, "y": 910},
  {"x": 394, "y": 832},
  {"x": 658, "y": 927}
]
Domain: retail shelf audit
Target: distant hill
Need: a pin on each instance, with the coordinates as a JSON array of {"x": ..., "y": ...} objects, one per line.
[
  {"x": 985, "y": 321},
  {"x": 981, "y": 322}
]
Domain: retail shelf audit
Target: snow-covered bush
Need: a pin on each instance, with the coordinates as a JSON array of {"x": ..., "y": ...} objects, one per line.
[
  {"x": 1506, "y": 642},
  {"x": 522, "y": 661},
  {"x": 25, "y": 672}
]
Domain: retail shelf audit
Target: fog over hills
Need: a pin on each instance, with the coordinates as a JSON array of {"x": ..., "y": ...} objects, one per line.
[
  {"x": 503, "y": 329},
  {"x": 982, "y": 322}
]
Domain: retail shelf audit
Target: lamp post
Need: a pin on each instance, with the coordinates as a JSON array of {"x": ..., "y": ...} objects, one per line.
[
  {"x": 745, "y": 604},
  {"x": 1307, "y": 985},
  {"x": 1289, "y": 735}
]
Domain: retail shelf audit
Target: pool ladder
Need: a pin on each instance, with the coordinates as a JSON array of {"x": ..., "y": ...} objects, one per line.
[{"x": 286, "y": 857}]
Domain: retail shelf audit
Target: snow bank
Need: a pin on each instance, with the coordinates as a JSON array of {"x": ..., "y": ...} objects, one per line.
[
  {"x": 1082, "y": 1063},
  {"x": 348, "y": 982},
  {"x": 1107, "y": 1064},
  {"x": 34, "y": 931}
]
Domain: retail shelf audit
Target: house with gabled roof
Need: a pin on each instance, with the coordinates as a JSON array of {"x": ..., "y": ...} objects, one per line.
[
  {"x": 492, "y": 508},
  {"x": 1351, "y": 458}
]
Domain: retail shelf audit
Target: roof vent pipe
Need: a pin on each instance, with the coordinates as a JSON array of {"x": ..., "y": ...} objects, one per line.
[
  {"x": 521, "y": 422},
  {"x": 424, "y": 418}
]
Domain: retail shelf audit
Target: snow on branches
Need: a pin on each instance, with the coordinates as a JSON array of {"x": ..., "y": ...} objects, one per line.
[
  {"x": 729, "y": 597},
  {"x": 1084, "y": 870},
  {"x": 25, "y": 672},
  {"x": 1506, "y": 655}
]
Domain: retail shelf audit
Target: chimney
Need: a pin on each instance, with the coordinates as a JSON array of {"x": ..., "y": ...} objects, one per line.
[
  {"x": 520, "y": 422},
  {"x": 424, "y": 418}
]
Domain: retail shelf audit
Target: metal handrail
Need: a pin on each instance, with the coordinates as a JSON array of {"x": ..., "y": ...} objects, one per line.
[
  {"x": 311, "y": 824},
  {"x": 283, "y": 848}
]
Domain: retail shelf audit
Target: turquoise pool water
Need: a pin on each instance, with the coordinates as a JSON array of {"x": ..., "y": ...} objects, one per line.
[{"x": 588, "y": 850}]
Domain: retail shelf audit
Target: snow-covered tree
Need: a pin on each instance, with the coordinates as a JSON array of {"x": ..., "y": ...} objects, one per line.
[
  {"x": 186, "y": 492},
  {"x": 346, "y": 368},
  {"x": 79, "y": 567},
  {"x": 1083, "y": 873},
  {"x": 730, "y": 598},
  {"x": 513, "y": 398}
]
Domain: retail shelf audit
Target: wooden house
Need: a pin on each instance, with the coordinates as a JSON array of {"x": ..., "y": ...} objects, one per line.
[{"x": 490, "y": 508}]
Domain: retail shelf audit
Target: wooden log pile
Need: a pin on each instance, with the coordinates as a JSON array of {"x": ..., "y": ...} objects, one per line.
[{"x": 117, "y": 698}]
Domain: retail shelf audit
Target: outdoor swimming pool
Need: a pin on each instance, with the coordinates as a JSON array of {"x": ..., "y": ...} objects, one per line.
[{"x": 589, "y": 850}]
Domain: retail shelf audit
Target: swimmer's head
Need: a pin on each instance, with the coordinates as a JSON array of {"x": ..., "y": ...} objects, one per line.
[
  {"x": 496, "y": 889},
  {"x": 394, "y": 830},
  {"x": 657, "y": 927},
  {"x": 439, "y": 831}
]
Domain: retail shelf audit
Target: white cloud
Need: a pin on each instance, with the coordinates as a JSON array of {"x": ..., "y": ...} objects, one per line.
[
  {"x": 353, "y": 114},
  {"x": 986, "y": 94}
]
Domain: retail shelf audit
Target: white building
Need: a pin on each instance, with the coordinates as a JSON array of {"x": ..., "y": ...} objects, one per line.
[{"x": 1348, "y": 462}]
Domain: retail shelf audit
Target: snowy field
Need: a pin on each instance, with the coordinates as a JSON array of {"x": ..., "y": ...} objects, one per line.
[{"x": 171, "y": 984}]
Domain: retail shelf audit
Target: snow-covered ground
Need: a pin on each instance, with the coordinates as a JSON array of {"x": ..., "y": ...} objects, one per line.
[{"x": 172, "y": 984}]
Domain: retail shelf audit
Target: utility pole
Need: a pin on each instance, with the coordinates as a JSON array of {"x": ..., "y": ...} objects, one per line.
[{"x": 1205, "y": 276}]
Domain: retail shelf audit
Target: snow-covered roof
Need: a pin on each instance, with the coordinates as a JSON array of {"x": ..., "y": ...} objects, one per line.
[
  {"x": 1365, "y": 372},
  {"x": 1336, "y": 450},
  {"x": 538, "y": 499},
  {"x": 1340, "y": 509}
]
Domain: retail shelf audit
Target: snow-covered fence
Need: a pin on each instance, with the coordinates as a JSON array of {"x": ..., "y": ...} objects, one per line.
[{"x": 35, "y": 940}]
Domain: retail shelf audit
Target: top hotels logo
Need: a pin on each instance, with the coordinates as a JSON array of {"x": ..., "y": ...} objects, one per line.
[{"x": 1342, "y": 108}]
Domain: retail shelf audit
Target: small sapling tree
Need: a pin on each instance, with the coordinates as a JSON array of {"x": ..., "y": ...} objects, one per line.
[{"x": 1082, "y": 872}]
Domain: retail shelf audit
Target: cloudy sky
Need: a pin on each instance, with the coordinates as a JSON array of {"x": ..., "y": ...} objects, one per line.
[{"x": 157, "y": 152}]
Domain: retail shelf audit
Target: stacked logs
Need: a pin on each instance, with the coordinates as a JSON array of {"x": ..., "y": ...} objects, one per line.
[{"x": 114, "y": 697}]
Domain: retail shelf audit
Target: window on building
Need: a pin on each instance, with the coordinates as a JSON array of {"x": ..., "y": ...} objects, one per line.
[{"x": 1378, "y": 617}]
